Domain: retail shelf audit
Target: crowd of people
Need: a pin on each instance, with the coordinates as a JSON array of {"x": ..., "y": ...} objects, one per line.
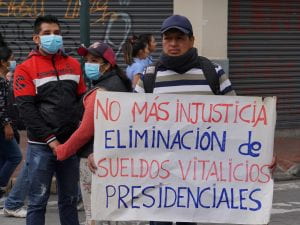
[{"x": 57, "y": 109}]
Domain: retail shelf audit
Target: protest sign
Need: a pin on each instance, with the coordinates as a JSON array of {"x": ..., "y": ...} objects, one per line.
[{"x": 183, "y": 158}]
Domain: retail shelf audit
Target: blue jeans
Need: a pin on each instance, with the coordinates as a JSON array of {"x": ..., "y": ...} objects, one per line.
[
  {"x": 42, "y": 165},
  {"x": 19, "y": 192},
  {"x": 10, "y": 157}
]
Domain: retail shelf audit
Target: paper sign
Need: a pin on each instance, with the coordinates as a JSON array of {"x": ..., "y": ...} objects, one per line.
[{"x": 183, "y": 158}]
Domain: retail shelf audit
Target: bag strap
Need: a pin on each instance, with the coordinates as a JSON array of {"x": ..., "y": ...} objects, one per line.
[
  {"x": 150, "y": 77},
  {"x": 210, "y": 74}
]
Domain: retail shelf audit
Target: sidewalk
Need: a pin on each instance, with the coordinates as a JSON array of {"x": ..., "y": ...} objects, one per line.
[{"x": 287, "y": 150}]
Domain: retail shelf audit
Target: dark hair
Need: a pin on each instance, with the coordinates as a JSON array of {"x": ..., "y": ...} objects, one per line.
[
  {"x": 44, "y": 19},
  {"x": 124, "y": 78},
  {"x": 146, "y": 38},
  {"x": 5, "y": 51},
  {"x": 131, "y": 48},
  {"x": 121, "y": 74}
]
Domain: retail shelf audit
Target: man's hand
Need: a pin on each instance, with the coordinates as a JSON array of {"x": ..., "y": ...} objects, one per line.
[
  {"x": 9, "y": 76},
  {"x": 91, "y": 163},
  {"x": 53, "y": 145},
  {"x": 8, "y": 132},
  {"x": 273, "y": 165}
]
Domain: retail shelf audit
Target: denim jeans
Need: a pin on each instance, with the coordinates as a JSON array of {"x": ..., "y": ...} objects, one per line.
[
  {"x": 19, "y": 192},
  {"x": 42, "y": 165},
  {"x": 10, "y": 157}
]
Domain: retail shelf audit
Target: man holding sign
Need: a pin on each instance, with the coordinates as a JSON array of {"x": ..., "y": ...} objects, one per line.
[
  {"x": 169, "y": 156},
  {"x": 179, "y": 58}
]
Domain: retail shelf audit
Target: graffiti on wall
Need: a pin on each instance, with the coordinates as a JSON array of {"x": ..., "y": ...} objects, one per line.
[
  {"x": 16, "y": 22},
  {"x": 22, "y": 8}
]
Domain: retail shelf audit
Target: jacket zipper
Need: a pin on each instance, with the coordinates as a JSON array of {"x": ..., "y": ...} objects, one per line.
[{"x": 53, "y": 64}]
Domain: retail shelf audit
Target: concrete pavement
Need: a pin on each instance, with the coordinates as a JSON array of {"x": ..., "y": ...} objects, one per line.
[{"x": 287, "y": 150}]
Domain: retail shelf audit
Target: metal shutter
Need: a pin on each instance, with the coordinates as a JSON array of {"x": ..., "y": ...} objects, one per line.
[
  {"x": 111, "y": 20},
  {"x": 264, "y": 53}
]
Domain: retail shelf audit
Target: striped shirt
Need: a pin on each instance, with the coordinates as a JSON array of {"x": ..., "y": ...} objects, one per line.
[{"x": 192, "y": 82}]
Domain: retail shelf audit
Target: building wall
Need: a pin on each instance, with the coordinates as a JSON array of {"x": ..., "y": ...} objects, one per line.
[
  {"x": 112, "y": 21},
  {"x": 209, "y": 19},
  {"x": 262, "y": 36},
  {"x": 194, "y": 14}
]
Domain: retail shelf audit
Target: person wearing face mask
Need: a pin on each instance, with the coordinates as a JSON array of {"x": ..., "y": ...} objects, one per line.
[
  {"x": 101, "y": 68},
  {"x": 12, "y": 206},
  {"x": 48, "y": 86},
  {"x": 10, "y": 153}
]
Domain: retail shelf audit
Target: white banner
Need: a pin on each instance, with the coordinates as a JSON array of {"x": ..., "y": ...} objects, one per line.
[{"x": 183, "y": 158}]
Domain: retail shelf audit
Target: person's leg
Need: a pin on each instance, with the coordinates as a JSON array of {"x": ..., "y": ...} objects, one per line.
[
  {"x": 185, "y": 223},
  {"x": 2, "y": 158},
  {"x": 41, "y": 165},
  {"x": 19, "y": 192},
  {"x": 2, "y": 189},
  {"x": 67, "y": 175},
  {"x": 80, "y": 205},
  {"x": 85, "y": 185},
  {"x": 160, "y": 223},
  {"x": 11, "y": 157}
]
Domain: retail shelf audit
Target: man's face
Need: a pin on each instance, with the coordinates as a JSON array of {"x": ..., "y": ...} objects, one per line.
[
  {"x": 176, "y": 43},
  {"x": 46, "y": 29}
]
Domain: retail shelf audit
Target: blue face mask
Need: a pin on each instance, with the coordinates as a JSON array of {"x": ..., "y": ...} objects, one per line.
[
  {"x": 92, "y": 71},
  {"x": 12, "y": 65},
  {"x": 51, "y": 43}
]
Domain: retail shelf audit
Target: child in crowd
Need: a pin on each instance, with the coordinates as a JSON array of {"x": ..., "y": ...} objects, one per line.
[
  {"x": 135, "y": 54},
  {"x": 149, "y": 39}
]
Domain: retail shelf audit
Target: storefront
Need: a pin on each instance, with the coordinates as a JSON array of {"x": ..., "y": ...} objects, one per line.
[{"x": 264, "y": 53}]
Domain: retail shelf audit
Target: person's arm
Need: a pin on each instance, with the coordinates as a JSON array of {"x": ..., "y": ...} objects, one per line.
[
  {"x": 137, "y": 71},
  {"x": 5, "y": 120},
  {"x": 84, "y": 132},
  {"x": 225, "y": 84},
  {"x": 273, "y": 164},
  {"x": 25, "y": 94},
  {"x": 8, "y": 132},
  {"x": 135, "y": 79},
  {"x": 139, "y": 87},
  {"x": 91, "y": 163}
]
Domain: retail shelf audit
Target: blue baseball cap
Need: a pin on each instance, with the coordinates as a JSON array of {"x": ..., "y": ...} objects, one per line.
[{"x": 177, "y": 22}]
